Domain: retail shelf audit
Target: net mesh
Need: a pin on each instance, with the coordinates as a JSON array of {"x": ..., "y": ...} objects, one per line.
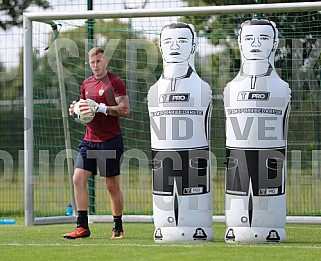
[{"x": 134, "y": 56}]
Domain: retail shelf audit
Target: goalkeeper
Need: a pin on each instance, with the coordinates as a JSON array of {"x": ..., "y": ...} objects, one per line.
[{"x": 105, "y": 94}]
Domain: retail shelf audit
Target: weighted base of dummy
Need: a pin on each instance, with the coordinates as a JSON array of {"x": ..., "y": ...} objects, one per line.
[
  {"x": 183, "y": 234},
  {"x": 254, "y": 235}
]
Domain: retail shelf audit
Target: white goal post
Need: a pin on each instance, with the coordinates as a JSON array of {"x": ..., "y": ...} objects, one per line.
[{"x": 48, "y": 18}]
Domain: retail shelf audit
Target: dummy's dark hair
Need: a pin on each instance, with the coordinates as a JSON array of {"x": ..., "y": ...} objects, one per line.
[
  {"x": 178, "y": 25},
  {"x": 260, "y": 22}
]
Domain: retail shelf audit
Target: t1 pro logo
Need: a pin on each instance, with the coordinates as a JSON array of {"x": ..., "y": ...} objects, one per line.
[
  {"x": 177, "y": 97},
  {"x": 245, "y": 96}
]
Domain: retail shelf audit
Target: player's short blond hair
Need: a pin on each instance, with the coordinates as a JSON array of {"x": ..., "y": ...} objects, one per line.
[{"x": 95, "y": 51}]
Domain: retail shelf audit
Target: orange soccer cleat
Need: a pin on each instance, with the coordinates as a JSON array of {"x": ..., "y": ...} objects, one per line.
[
  {"x": 117, "y": 234},
  {"x": 80, "y": 232}
]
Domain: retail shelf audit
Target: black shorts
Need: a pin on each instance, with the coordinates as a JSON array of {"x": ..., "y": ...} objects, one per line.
[{"x": 106, "y": 156}]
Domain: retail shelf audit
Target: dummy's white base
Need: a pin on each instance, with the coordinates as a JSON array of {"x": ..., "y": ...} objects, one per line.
[
  {"x": 254, "y": 235},
  {"x": 183, "y": 234}
]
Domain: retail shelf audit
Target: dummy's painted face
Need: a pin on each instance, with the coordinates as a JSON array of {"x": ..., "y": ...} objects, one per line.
[
  {"x": 176, "y": 45},
  {"x": 257, "y": 41}
]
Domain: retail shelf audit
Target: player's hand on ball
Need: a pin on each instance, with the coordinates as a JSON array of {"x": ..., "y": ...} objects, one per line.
[
  {"x": 71, "y": 108},
  {"x": 85, "y": 107},
  {"x": 82, "y": 111}
]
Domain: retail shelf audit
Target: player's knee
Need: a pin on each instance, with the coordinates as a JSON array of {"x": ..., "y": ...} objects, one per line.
[
  {"x": 76, "y": 181},
  {"x": 112, "y": 187},
  {"x": 79, "y": 180}
]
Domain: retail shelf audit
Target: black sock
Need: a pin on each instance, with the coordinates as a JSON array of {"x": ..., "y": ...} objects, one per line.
[
  {"x": 82, "y": 219},
  {"x": 118, "y": 224}
]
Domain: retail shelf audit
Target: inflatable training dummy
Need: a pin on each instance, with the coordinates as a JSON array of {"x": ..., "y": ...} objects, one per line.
[
  {"x": 179, "y": 105},
  {"x": 257, "y": 106}
]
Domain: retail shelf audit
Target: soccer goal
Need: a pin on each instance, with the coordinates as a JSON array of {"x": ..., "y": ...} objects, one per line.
[{"x": 55, "y": 64}]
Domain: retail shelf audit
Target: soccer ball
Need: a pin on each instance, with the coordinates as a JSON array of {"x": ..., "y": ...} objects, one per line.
[{"x": 83, "y": 118}]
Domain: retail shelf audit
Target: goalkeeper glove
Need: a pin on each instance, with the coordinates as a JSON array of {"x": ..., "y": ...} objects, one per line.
[{"x": 97, "y": 107}]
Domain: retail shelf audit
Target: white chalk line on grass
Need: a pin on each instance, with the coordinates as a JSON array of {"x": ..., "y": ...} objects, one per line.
[{"x": 206, "y": 245}]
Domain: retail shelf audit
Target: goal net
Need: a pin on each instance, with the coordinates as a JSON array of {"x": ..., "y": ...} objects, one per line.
[{"x": 55, "y": 64}]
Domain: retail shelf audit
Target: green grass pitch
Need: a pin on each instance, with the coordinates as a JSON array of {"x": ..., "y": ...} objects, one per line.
[{"x": 18, "y": 242}]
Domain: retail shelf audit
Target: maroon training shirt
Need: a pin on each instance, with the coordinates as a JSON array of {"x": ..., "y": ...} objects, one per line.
[{"x": 103, "y": 90}]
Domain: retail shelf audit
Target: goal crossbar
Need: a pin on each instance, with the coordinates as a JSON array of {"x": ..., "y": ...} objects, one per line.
[{"x": 201, "y": 10}]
